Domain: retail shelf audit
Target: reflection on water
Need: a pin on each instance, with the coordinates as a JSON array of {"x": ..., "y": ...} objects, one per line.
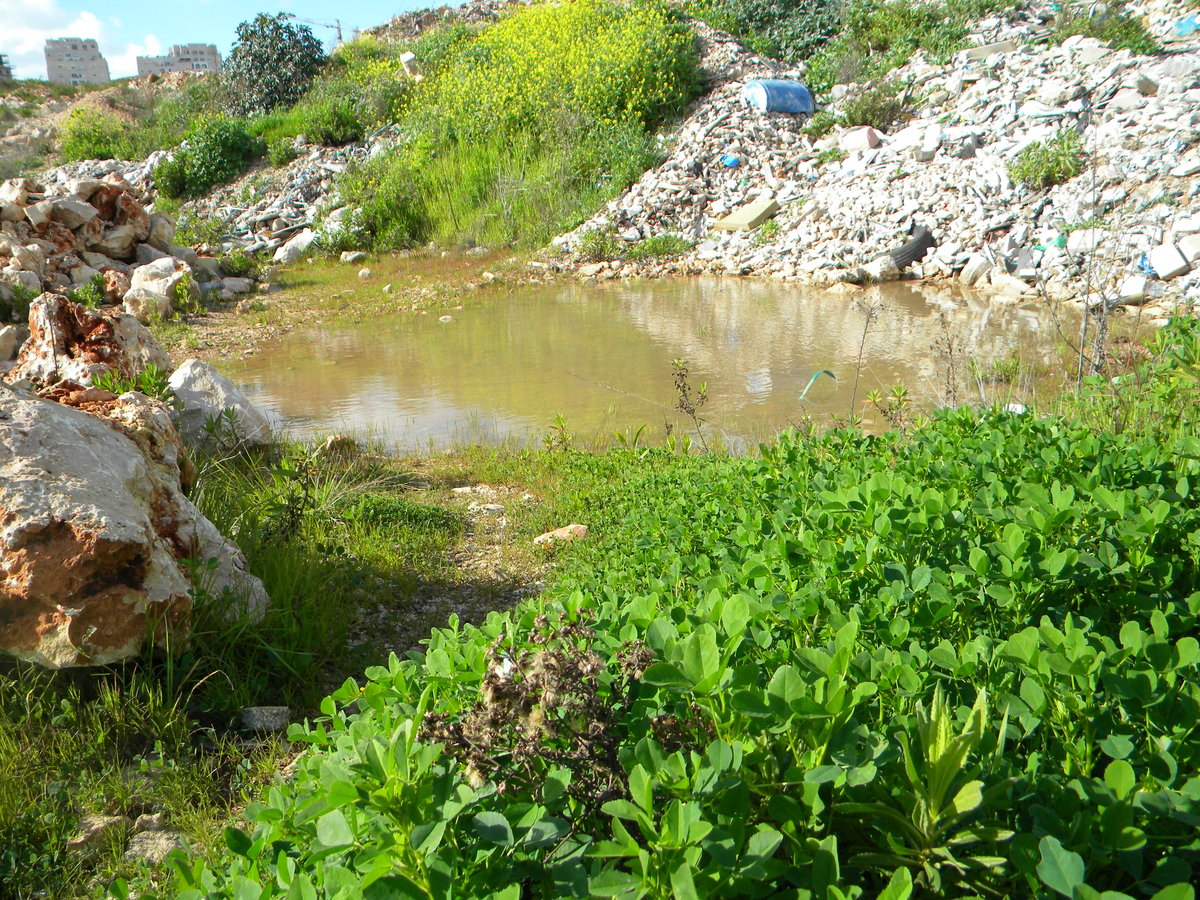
[{"x": 601, "y": 355}]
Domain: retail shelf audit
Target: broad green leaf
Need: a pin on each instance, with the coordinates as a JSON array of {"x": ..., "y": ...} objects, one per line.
[
  {"x": 1060, "y": 869},
  {"x": 682, "y": 886},
  {"x": 1176, "y": 892},
  {"x": 333, "y": 830},
  {"x": 734, "y": 615},
  {"x": 1120, "y": 777},
  {"x": 701, "y": 657},
  {"x": 493, "y": 827},
  {"x": 899, "y": 887}
]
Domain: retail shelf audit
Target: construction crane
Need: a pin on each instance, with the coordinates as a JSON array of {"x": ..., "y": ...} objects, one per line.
[{"x": 335, "y": 25}]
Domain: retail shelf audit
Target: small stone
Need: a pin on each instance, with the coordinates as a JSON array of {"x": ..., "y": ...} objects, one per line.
[
  {"x": 364, "y": 274},
  {"x": 862, "y": 138},
  {"x": 95, "y": 830},
  {"x": 1167, "y": 261},
  {"x": 150, "y": 822},
  {"x": 572, "y": 532},
  {"x": 1145, "y": 85},
  {"x": 977, "y": 266},
  {"x": 975, "y": 54},
  {"x": 445, "y": 320},
  {"x": 1085, "y": 240},
  {"x": 266, "y": 718},
  {"x": 153, "y": 846},
  {"x": 1189, "y": 246},
  {"x": 353, "y": 256},
  {"x": 1134, "y": 289}
]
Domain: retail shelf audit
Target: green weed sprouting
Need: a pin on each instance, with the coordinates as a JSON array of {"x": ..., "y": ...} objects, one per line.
[
  {"x": 151, "y": 381},
  {"x": 15, "y": 308},
  {"x": 1046, "y": 163},
  {"x": 90, "y": 294},
  {"x": 1107, "y": 23}
]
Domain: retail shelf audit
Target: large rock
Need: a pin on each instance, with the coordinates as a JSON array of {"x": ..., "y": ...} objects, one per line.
[
  {"x": 94, "y": 528},
  {"x": 154, "y": 288},
  {"x": 69, "y": 342},
  {"x": 295, "y": 249},
  {"x": 203, "y": 394}
]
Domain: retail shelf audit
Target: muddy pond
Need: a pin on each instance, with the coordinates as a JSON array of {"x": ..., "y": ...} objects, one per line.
[{"x": 597, "y": 359}]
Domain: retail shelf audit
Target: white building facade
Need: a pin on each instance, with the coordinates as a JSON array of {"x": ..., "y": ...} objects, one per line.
[
  {"x": 182, "y": 58},
  {"x": 75, "y": 61}
]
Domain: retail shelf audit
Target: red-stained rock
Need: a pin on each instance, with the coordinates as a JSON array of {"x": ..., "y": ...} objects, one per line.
[
  {"x": 69, "y": 342},
  {"x": 93, "y": 529}
]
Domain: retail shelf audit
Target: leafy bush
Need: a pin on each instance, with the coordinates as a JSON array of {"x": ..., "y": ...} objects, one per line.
[
  {"x": 880, "y": 106},
  {"x": 281, "y": 151},
  {"x": 601, "y": 59},
  {"x": 331, "y": 120},
  {"x": 1044, "y": 164},
  {"x": 216, "y": 152},
  {"x": 598, "y": 244},
  {"x": 151, "y": 381},
  {"x": 272, "y": 64},
  {"x": 1109, "y": 24},
  {"x": 240, "y": 264},
  {"x": 781, "y": 30},
  {"x": 658, "y": 246},
  {"x": 14, "y": 302},
  {"x": 89, "y": 133},
  {"x": 521, "y": 130},
  {"x": 956, "y": 662},
  {"x": 876, "y": 36}
]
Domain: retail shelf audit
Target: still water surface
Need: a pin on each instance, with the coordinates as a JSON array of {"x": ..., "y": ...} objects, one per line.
[{"x": 601, "y": 357}]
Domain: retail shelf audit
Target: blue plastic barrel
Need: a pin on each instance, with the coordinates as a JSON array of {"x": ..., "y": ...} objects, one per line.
[{"x": 772, "y": 95}]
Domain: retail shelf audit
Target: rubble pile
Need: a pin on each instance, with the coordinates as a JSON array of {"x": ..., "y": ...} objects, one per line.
[
  {"x": 61, "y": 233},
  {"x": 1125, "y": 230}
]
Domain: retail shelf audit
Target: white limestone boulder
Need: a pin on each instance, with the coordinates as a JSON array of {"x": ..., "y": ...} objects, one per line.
[
  {"x": 155, "y": 287},
  {"x": 203, "y": 394},
  {"x": 94, "y": 529}
]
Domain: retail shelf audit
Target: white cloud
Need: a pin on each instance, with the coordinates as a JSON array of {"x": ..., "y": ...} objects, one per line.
[
  {"x": 125, "y": 62},
  {"x": 27, "y": 24}
]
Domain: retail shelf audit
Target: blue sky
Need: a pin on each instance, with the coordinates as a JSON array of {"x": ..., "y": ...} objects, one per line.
[{"x": 126, "y": 30}]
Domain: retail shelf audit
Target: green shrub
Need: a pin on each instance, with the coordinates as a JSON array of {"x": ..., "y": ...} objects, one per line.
[
  {"x": 281, "y": 151},
  {"x": 272, "y": 64},
  {"x": 1044, "y": 164},
  {"x": 658, "y": 246},
  {"x": 519, "y": 131},
  {"x": 237, "y": 263},
  {"x": 330, "y": 120},
  {"x": 601, "y": 59},
  {"x": 598, "y": 245},
  {"x": 14, "y": 303},
  {"x": 217, "y": 152},
  {"x": 880, "y": 106},
  {"x": 89, "y": 133},
  {"x": 1109, "y": 24},
  {"x": 956, "y": 662},
  {"x": 781, "y": 30},
  {"x": 151, "y": 381}
]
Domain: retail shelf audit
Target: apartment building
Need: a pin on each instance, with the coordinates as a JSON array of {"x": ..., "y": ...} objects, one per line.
[
  {"x": 182, "y": 58},
  {"x": 75, "y": 61}
]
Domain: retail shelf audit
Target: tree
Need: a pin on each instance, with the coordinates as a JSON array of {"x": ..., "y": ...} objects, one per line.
[{"x": 272, "y": 64}]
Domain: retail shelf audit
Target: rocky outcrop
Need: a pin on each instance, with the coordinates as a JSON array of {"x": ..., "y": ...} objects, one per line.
[
  {"x": 95, "y": 528},
  {"x": 59, "y": 233},
  {"x": 204, "y": 395},
  {"x": 69, "y": 342}
]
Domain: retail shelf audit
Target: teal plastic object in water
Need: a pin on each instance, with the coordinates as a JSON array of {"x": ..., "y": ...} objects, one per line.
[{"x": 773, "y": 95}]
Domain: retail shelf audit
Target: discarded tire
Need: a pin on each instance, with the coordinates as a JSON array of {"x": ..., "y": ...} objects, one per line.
[{"x": 918, "y": 245}]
